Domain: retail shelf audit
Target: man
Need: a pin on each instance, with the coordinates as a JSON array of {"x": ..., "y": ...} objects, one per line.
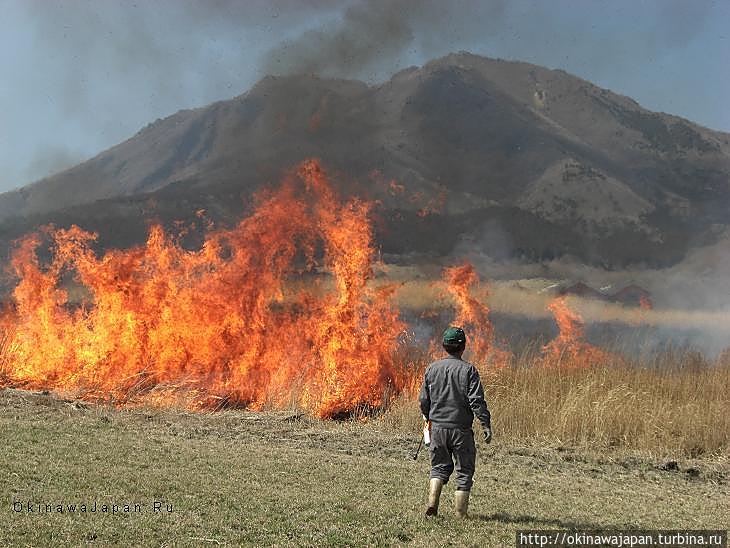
[{"x": 451, "y": 396}]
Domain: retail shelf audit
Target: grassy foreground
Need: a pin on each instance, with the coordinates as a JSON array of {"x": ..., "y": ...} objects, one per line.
[{"x": 284, "y": 479}]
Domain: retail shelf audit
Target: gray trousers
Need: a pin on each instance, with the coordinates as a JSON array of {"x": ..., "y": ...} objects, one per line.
[{"x": 453, "y": 449}]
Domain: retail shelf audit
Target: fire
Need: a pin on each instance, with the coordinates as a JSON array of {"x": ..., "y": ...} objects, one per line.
[
  {"x": 237, "y": 321},
  {"x": 432, "y": 205},
  {"x": 315, "y": 119},
  {"x": 222, "y": 321},
  {"x": 568, "y": 349},
  {"x": 395, "y": 188},
  {"x": 473, "y": 315}
]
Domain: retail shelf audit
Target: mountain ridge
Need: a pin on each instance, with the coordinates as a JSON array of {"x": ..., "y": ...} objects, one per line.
[{"x": 562, "y": 166}]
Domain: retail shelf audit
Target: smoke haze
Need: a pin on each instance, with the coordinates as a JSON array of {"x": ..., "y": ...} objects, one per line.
[
  {"x": 372, "y": 38},
  {"x": 80, "y": 76}
]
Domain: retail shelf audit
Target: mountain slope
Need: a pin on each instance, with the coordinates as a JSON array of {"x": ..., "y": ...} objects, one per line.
[{"x": 559, "y": 165}]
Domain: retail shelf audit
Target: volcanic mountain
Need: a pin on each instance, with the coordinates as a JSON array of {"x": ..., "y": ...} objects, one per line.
[{"x": 507, "y": 158}]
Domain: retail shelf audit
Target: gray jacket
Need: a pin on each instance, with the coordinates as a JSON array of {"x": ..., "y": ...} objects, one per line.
[{"x": 452, "y": 395}]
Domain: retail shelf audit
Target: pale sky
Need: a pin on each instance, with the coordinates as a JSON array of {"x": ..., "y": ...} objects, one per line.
[{"x": 79, "y": 76}]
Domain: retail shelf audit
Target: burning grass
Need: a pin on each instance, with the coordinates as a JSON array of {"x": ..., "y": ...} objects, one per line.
[
  {"x": 215, "y": 322},
  {"x": 233, "y": 324},
  {"x": 571, "y": 393}
]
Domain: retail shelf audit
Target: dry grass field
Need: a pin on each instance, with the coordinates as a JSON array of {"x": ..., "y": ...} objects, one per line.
[{"x": 676, "y": 404}]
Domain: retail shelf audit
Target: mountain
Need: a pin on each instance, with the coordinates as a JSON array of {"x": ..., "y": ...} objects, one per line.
[{"x": 507, "y": 158}]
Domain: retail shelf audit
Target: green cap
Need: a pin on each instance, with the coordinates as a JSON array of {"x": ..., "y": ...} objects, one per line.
[{"x": 454, "y": 336}]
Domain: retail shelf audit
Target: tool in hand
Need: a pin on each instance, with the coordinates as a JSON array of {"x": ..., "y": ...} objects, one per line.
[{"x": 425, "y": 438}]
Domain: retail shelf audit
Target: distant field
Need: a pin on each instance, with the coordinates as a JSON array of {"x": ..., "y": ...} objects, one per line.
[{"x": 282, "y": 478}]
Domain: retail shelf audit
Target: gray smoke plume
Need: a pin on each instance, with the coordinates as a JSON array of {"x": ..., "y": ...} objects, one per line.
[{"x": 371, "y": 38}]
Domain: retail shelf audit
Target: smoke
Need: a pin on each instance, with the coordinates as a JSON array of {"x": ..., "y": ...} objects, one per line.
[
  {"x": 372, "y": 38},
  {"x": 370, "y": 32},
  {"x": 83, "y": 75},
  {"x": 369, "y": 39},
  {"x": 50, "y": 158},
  {"x": 520, "y": 311},
  {"x": 491, "y": 245},
  {"x": 691, "y": 298},
  {"x": 86, "y": 74}
]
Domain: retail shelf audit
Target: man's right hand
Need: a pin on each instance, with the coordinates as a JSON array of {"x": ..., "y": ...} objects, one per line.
[{"x": 487, "y": 435}]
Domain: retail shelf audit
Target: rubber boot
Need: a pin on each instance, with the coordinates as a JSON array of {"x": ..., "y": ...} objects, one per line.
[
  {"x": 461, "y": 503},
  {"x": 434, "y": 493}
]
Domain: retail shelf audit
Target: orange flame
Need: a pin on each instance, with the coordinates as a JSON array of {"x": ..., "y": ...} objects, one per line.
[
  {"x": 473, "y": 315},
  {"x": 433, "y": 205},
  {"x": 315, "y": 120},
  {"x": 220, "y": 321},
  {"x": 568, "y": 349},
  {"x": 396, "y": 189}
]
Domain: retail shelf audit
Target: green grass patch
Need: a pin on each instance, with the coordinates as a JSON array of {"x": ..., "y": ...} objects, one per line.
[{"x": 241, "y": 478}]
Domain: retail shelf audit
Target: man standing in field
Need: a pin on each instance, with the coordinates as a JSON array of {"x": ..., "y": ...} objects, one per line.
[{"x": 451, "y": 396}]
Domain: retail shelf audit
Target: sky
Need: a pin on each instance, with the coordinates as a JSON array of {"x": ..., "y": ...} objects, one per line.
[{"x": 79, "y": 76}]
